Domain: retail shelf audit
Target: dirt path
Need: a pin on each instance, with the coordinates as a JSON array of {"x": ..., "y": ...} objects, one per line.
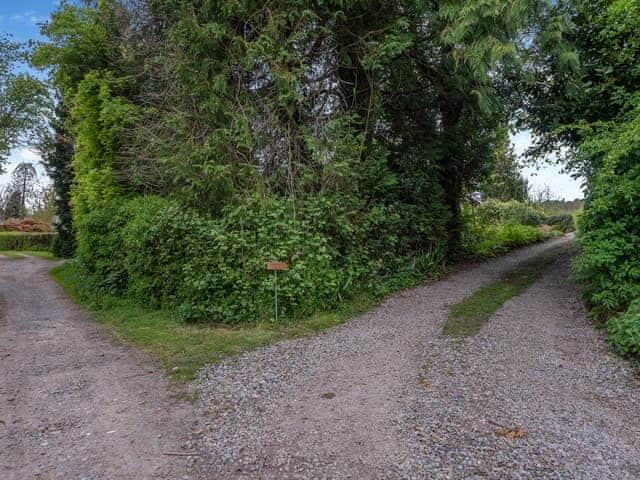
[
  {"x": 73, "y": 403},
  {"x": 385, "y": 396}
]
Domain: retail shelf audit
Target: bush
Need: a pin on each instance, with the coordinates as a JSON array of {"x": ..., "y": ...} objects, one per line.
[
  {"x": 494, "y": 212},
  {"x": 162, "y": 254},
  {"x": 488, "y": 241},
  {"x": 562, "y": 222},
  {"x": 497, "y": 227},
  {"x": 624, "y": 331},
  {"x": 26, "y": 241},
  {"x": 609, "y": 236}
]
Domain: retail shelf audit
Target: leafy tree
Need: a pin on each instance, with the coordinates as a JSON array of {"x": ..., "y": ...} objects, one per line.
[
  {"x": 505, "y": 181},
  {"x": 23, "y": 100}
]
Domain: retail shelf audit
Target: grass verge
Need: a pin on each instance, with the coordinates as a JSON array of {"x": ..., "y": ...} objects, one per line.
[
  {"x": 467, "y": 317},
  {"x": 12, "y": 254},
  {"x": 183, "y": 348}
]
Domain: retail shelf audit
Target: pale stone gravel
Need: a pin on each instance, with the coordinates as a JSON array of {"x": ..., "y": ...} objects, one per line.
[{"x": 410, "y": 404}]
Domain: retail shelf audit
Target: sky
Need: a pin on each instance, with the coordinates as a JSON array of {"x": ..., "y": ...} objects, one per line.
[{"x": 20, "y": 18}]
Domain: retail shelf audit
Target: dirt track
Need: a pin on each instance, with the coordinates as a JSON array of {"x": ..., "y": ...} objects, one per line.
[{"x": 74, "y": 404}]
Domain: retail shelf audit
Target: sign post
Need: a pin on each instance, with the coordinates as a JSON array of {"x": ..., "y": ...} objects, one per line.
[{"x": 275, "y": 267}]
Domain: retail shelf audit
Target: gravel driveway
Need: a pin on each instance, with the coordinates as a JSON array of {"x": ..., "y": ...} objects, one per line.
[
  {"x": 534, "y": 395},
  {"x": 73, "y": 403}
]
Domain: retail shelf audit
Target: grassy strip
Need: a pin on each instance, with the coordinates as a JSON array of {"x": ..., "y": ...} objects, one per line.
[
  {"x": 12, "y": 254},
  {"x": 467, "y": 317},
  {"x": 184, "y": 348},
  {"x": 40, "y": 254}
]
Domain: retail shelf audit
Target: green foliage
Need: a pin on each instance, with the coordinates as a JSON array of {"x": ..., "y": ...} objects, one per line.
[
  {"x": 57, "y": 154},
  {"x": 23, "y": 100},
  {"x": 211, "y": 137},
  {"x": 562, "y": 222},
  {"x": 505, "y": 181},
  {"x": 496, "y": 212},
  {"x": 495, "y": 227},
  {"x": 26, "y": 241},
  {"x": 158, "y": 253},
  {"x": 489, "y": 241},
  {"x": 624, "y": 331}
]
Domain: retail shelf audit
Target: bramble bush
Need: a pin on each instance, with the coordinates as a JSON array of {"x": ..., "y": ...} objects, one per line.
[{"x": 609, "y": 236}]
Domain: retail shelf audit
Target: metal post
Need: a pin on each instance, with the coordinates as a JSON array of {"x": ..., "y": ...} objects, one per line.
[{"x": 276, "y": 274}]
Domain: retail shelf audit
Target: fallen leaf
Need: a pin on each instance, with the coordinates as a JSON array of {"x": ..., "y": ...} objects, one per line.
[{"x": 511, "y": 434}]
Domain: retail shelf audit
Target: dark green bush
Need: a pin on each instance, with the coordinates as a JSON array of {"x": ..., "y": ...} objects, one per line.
[
  {"x": 609, "y": 264},
  {"x": 27, "y": 241},
  {"x": 624, "y": 331},
  {"x": 160, "y": 253},
  {"x": 100, "y": 247}
]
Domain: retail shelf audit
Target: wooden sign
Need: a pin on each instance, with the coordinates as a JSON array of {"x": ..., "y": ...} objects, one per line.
[{"x": 277, "y": 266}]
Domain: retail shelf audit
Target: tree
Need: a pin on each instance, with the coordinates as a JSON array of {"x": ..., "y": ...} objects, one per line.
[
  {"x": 505, "y": 181},
  {"x": 57, "y": 155},
  {"x": 24, "y": 181},
  {"x": 23, "y": 100}
]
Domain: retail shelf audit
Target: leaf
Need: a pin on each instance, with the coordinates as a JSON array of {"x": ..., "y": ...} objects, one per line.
[{"x": 511, "y": 434}]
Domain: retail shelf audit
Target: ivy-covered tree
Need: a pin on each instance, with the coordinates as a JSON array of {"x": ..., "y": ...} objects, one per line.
[{"x": 57, "y": 155}]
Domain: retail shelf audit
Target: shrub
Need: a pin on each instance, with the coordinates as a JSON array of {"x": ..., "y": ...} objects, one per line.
[
  {"x": 609, "y": 236},
  {"x": 624, "y": 331},
  {"x": 493, "y": 212},
  {"x": 497, "y": 227},
  {"x": 26, "y": 241},
  {"x": 561, "y": 222},
  {"x": 158, "y": 252},
  {"x": 490, "y": 241}
]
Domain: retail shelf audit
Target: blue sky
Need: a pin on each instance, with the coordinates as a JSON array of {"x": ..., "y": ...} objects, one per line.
[{"x": 20, "y": 18}]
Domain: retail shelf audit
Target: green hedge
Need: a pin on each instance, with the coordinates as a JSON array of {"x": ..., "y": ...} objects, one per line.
[
  {"x": 27, "y": 241},
  {"x": 159, "y": 253}
]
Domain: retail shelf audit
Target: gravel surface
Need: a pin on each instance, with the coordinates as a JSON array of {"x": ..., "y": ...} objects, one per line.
[
  {"x": 384, "y": 396},
  {"x": 75, "y": 404}
]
